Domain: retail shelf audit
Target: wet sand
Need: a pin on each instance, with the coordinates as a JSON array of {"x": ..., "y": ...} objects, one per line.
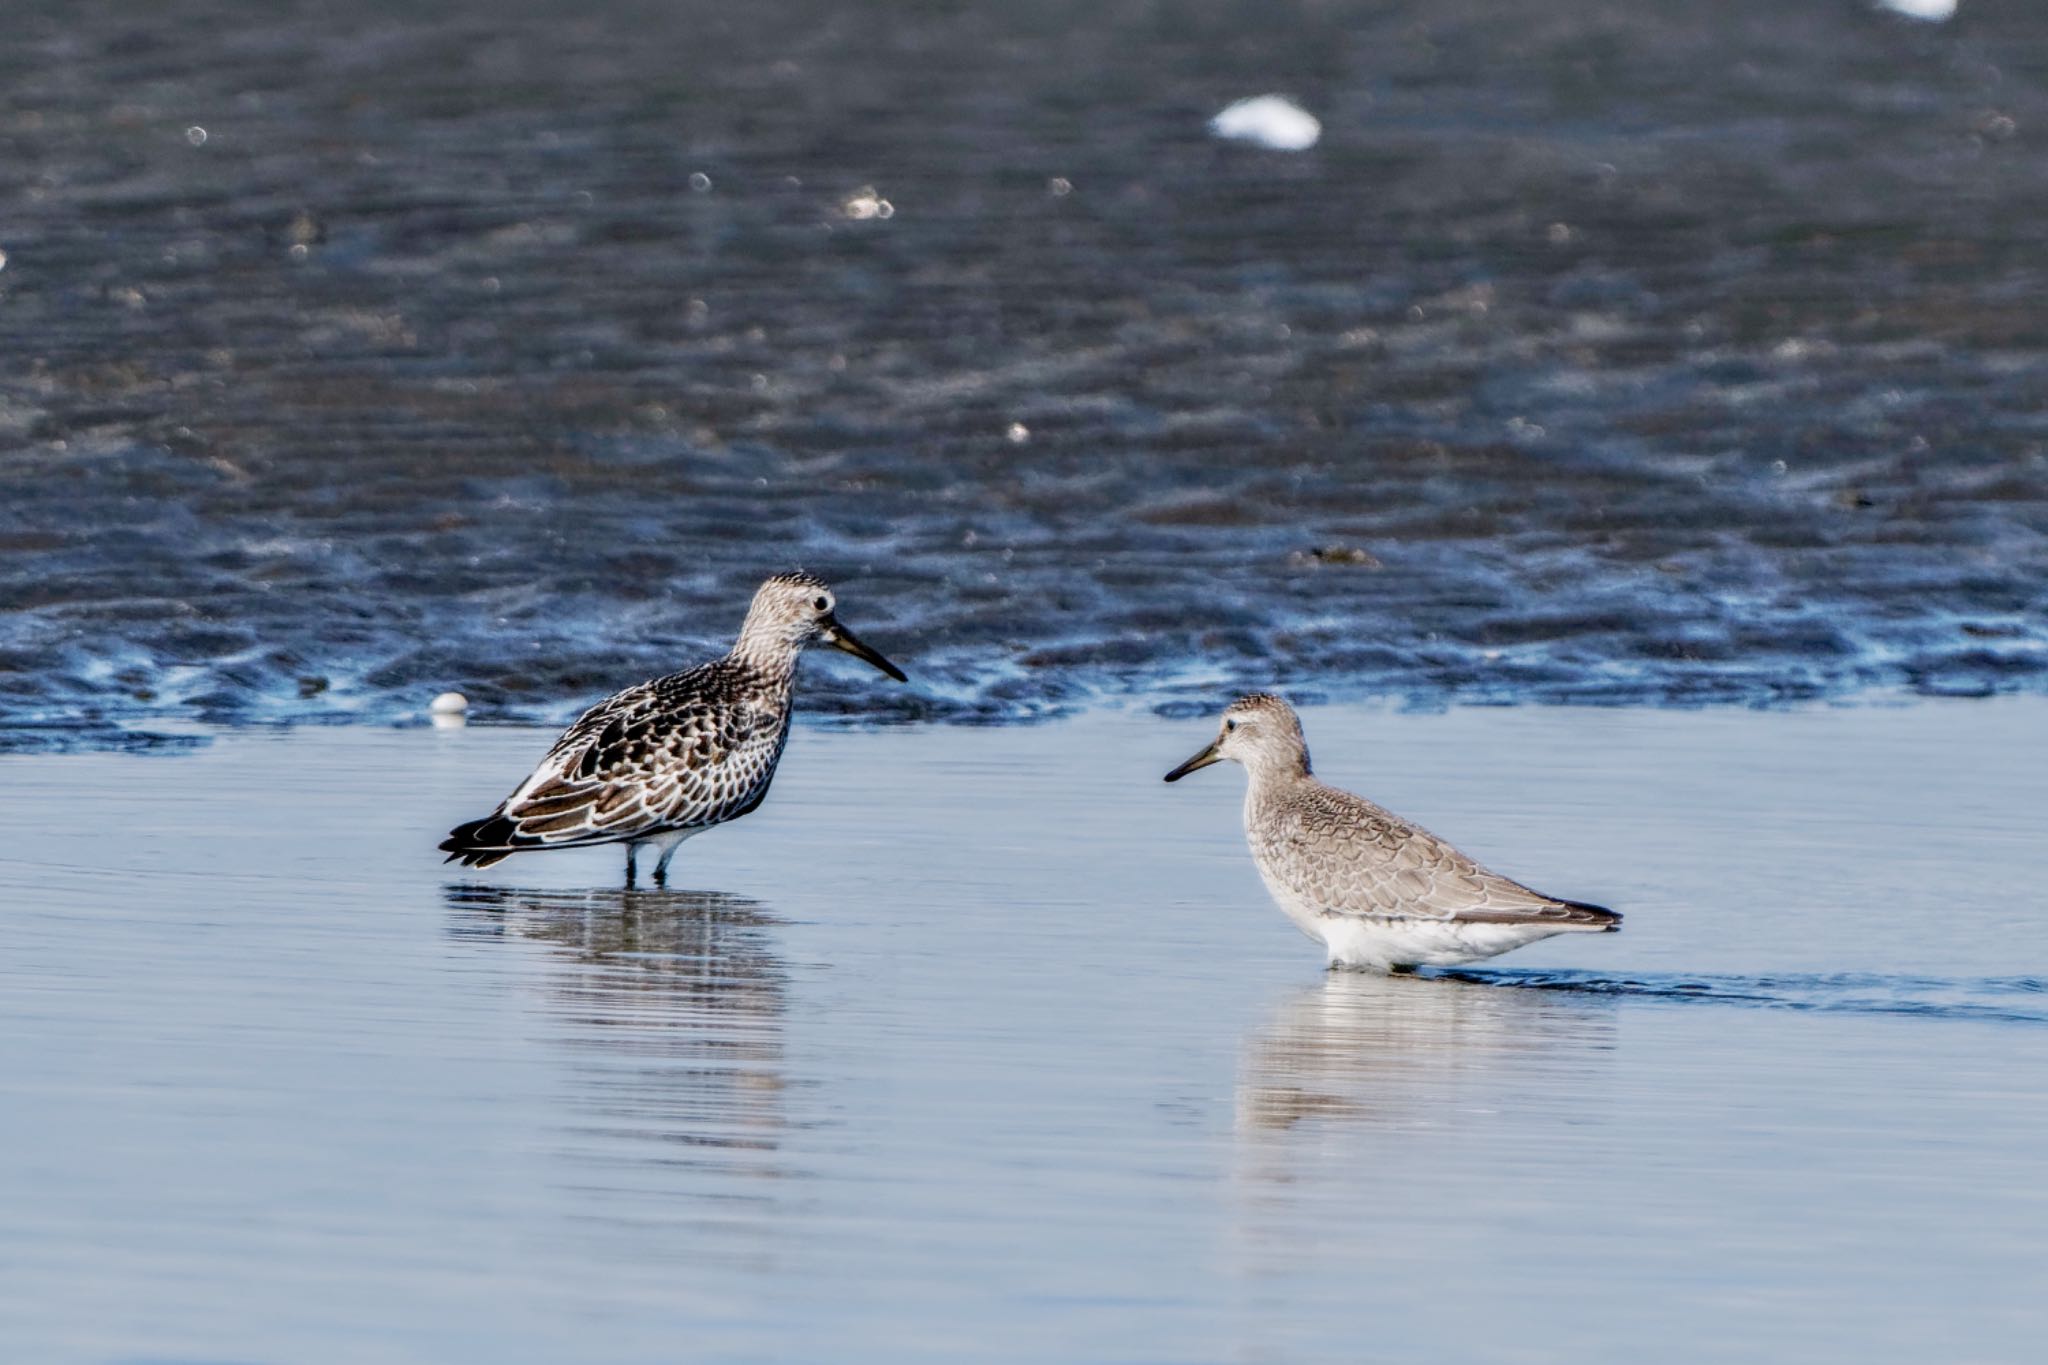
[
  {"x": 1639, "y": 353},
  {"x": 983, "y": 1043}
]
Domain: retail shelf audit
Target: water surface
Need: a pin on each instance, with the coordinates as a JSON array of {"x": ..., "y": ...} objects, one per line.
[{"x": 984, "y": 1044}]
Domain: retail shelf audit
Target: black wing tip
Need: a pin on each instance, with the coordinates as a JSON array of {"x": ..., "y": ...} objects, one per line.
[
  {"x": 462, "y": 838},
  {"x": 1587, "y": 913},
  {"x": 479, "y": 843}
]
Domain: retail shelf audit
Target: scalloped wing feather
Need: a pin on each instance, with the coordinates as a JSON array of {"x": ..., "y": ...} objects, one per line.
[
  {"x": 676, "y": 753},
  {"x": 1348, "y": 856}
]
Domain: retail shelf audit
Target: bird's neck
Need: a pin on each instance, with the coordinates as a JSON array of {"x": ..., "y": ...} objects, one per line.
[
  {"x": 769, "y": 653},
  {"x": 1276, "y": 772},
  {"x": 1272, "y": 788}
]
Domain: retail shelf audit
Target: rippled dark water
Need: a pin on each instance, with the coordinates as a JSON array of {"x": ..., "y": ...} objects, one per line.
[{"x": 1658, "y": 352}]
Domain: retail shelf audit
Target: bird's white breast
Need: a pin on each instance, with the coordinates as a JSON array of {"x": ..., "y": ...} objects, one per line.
[{"x": 1375, "y": 942}]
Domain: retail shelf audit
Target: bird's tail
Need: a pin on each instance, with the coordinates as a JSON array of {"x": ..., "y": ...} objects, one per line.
[
  {"x": 479, "y": 843},
  {"x": 1562, "y": 916},
  {"x": 1594, "y": 918}
]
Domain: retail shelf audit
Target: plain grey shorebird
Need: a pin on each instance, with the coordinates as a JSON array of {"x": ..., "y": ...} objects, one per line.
[
  {"x": 1377, "y": 891},
  {"x": 656, "y": 764}
]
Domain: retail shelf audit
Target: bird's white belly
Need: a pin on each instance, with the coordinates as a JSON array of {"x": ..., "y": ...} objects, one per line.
[
  {"x": 666, "y": 841},
  {"x": 1380, "y": 943}
]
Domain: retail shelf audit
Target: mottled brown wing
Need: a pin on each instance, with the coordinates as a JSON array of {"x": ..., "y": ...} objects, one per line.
[{"x": 639, "y": 764}]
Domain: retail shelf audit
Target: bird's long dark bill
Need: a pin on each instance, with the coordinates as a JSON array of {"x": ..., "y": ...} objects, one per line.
[
  {"x": 840, "y": 637},
  {"x": 1200, "y": 760}
]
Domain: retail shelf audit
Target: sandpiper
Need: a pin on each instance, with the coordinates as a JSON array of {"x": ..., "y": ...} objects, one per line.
[
  {"x": 1378, "y": 892},
  {"x": 655, "y": 764}
]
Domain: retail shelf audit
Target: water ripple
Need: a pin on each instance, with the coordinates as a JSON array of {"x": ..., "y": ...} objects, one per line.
[{"x": 1930, "y": 997}]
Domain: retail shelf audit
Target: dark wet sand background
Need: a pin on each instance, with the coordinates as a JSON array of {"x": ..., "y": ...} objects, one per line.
[
  {"x": 986, "y": 1045},
  {"x": 1657, "y": 352}
]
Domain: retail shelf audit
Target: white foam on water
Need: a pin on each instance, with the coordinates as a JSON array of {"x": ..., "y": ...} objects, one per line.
[
  {"x": 1271, "y": 121},
  {"x": 865, "y": 204},
  {"x": 1933, "y": 11}
]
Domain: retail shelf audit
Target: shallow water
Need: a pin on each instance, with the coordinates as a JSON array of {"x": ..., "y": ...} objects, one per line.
[
  {"x": 985, "y": 1044},
  {"x": 1655, "y": 351}
]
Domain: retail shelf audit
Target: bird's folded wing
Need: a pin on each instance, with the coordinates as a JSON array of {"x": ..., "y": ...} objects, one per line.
[
  {"x": 562, "y": 811},
  {"x": 629, "y": 767},
  {"x": 1350, "y": 857}
]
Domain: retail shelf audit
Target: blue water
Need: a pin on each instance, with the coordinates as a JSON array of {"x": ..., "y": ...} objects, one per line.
[
  {"x": 984, "y": 1044},
  {"x": 2014, "y": 999}
]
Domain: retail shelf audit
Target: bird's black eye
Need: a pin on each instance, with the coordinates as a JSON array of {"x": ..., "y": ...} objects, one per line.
[
  {"x": 821, "y": 604},
  {"x": 1230, "y": 725}
]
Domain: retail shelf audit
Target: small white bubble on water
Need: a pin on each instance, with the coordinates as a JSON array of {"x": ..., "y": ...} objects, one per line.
[
  {"x": 1271, "y": 121},
  {"x": 3, "y": 260},
  {"x": 700, "y": 182},
  {"x": 865, "y": 204},
  {"x": 1059, "y": 187},
  {"x": 448, "y": 704},
  {"x": 1933, "y": 11},
  {"x": 196, "y": 135},
  {"x": 1018, "y": 433},
  {"x": 1997, "y": 126}
]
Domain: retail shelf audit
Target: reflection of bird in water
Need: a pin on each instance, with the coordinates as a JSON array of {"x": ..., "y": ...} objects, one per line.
[
  {"x": 1400, "y": 1053},
  {"x": 1383, "y": 1123},
  {"x": 670, "y": 1005}
]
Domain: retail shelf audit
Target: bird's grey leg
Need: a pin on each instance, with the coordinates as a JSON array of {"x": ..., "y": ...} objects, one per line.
[
  {"x": 661, "y": 868},
  {"x": 632, "y": 872}
]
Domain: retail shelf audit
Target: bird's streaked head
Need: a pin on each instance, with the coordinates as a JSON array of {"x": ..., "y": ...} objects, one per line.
[
  {"x": 1260, "y": 731},
  {"x": 790, "y": 611}
]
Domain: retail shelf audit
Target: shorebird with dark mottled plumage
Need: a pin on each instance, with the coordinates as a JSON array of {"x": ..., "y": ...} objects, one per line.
[
  {"x": 1376, "y": 891},
  {"x": 656, "y": 764}
]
